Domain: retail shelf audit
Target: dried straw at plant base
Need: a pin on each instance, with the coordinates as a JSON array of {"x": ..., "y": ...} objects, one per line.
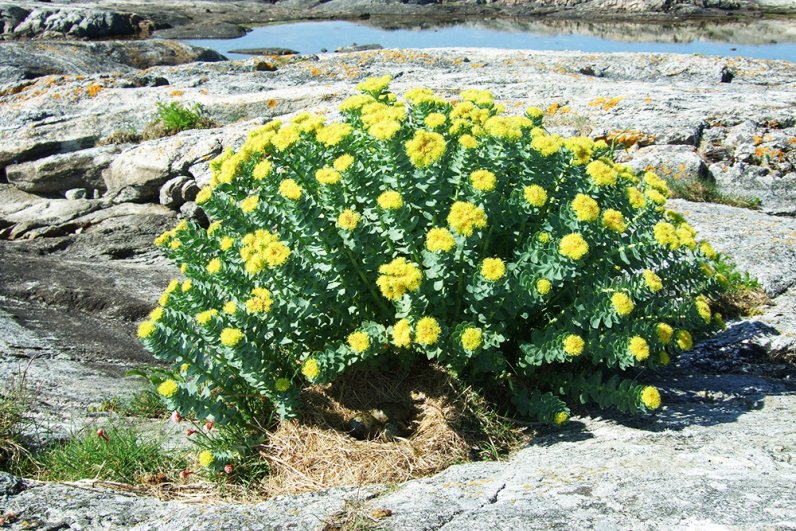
[{"x": 317, "y": 452}]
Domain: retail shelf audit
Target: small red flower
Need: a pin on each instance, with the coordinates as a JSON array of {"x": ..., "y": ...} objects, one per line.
[
  {"x": 228, "y": 468},
  {"x": 102, "y": 435},
  {"x": 176, "y": 417},
  {"x": 209, "y": 425},
  {"x": 185, "y": 473},
  {"x": 190, "y": 432}
]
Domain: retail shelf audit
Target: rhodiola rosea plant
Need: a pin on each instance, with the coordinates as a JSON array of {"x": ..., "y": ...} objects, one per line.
[{"x": 424, "y": 227}]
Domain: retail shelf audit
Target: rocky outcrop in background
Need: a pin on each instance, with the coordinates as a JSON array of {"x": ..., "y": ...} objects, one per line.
[{"x": 82, "y": 197}]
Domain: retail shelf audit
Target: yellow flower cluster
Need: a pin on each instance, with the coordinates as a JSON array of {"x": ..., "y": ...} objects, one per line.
[
  {"x": 543, "y": 286},
  {"x": 262, "y": 170},
  {"x": 290, "y": 189},
  {"x": 535, "y": 195},
  {"x": 333, "y": 134},
  {"x": 601, "y": 173},
  {"x": 573, "y": 246},
  {"x": 230, "y": 337},
  {"x": 439, "y": 239},
  {"x": 479, "y": 97},
  {"x": 614, "y": 220},
  {"x": 375, "y": 84},
  {"x": 310, "y": 369},
  {"x": 402, "y": 333},
  {"x": 653, "y": 281},
  {"x": 427, "y": 331},
  {"x": 465, "y": 217},
  {"x": 398, "y": 278},
  {"x": 471, "y": 338},
  {"x": 666, "y": 235},
  {"x": 574, "y": 345},
  {"x": 622, "y": 303},
  {"x": 359, "y": 342},
  {"x": 585, "y": 208},
  {"x": 286, "y": 137},
  {"x": 348, "y": 219},
  {"x": 206, "y": 316},
  {"x": 282, "y": 385},
  {"x": 635, "y": 197},
  {"x": 581, "y": 148},
  {"x": 168, "y": 388},
  {"x": 327, "y": 175},
  {"x": 390, "y": 200},
  {"x": 146, "y": 329},
  {"x": 546, "y": 144},
  {"x": 638, "y": 348},
  {"x": 493, "y": 269},
  {"x": 507, "y": 127},
  {"x": 385, "y": 129},
  {"x": 260, "y": 302},
  {"x": 483, "y": 180},
  {"x": 214, "y": 266},
  {"x": 703, "y": 308},
  {"x": 684, "y": 340},
  {"x": 435, "y": 119},
  {"x": 206, "y": 458},
  {"x": 343, "y": 162},
  {"x": 665, "y": 332},
  {"x": 262, "y": 248},
  {"x": 425, "y": 148},
  {"x": 650, "y": 397}
]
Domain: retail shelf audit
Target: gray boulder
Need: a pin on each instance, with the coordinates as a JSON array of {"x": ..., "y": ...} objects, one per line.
[
  {"x": 70, "y": 22},
  {"x": 680, "y": 163},
  {"x": 59, "y": 173}
]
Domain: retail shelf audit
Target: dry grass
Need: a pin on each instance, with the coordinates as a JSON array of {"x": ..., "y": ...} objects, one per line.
[
  {"x": 741, "y": 302},
  {"x": 443, "y": 424}
]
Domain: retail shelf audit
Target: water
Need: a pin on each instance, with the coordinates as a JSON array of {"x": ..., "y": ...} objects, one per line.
[{"x": 768, "y": 39}]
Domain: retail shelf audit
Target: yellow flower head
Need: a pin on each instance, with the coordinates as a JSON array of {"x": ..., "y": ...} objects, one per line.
[
  {"x": 204, "y": 195},
  {"x": 435, "y": 119},
  {"x": 282, "y": 385},
  {"x": 398, "y": 278},
  {"x": 327, "y": 176},
  {"x": 493, "y": 269},
  {"x": 206, "y": 316},
  {"x": 359, "y": 342},
  {"x": 666, "y": 235},
  {"x": 168, "y": 388},
  {"x": 614, "y": 220},
  {"x": 348, "y": 219},
  {"x": 665, "y": 332},
  {"x": 146, "y": 329},
  {"x": 213, "y": 227},
  {"x": 425, "y": 148},
  {"x": 375, "y": 84},
  {"x": 385, "y": 129},
  {"x": 601, "y": 173},
  {"x": 439, "y": 239},
  {"x": 206, "y": 458},
  {"x": 156, "y": 314},
  {"x": 663, "y": 358},
  {"x": 573, "y": 246},
  {"x": 543, "y": 237},
  {"x": 427, "y": 331},
  {"x": 534, "y": 113},
  {"x": 719, "y": 321},
  {"x": 468, "y": 142},
  {"x": 707, "y": 250},
  {"x": 543, "y": 286},
  {"x": 230, "y": 308},
  {"x": 653, "y": 181},
  {"x": 355, "y": 103},
  {"x": 262, "y": 170},
  {"x": 464, "y": 217},
  {"x": 685, "y": 235},
  {"x": 547, "y": 145},
  {"x": 483, "y": 180},
  {"x": 289, "y": 189},
  {"x": 276, "y": 254},
  {"x": 560, "y": 418},
  {"x": 310, "y": 369},
  {"x": 226, "y": 243},
  {"x": 163, "y": 238},
  {"x": 214, "y": 266},
  {"x": 650, "y": 397},
  {"x": 581, "y": 148},
  {"x": 390, "y": 200},
  {"x": 684, "y": 340},
  {"x": 653, "y": 281},
  {"x": 175, "y": 244},
  {"x": 703, "y": 308},
  {"x": 471, "y": 338},
  {"x": 231, "y": 337},
  {"x": 638, "y": 347},
  {"x": 479, "y": 97},
  {"x": 186, "y": 285},
  {"x": 585, "y": 208},
  {"x": 285, "y": 137},
  {"x": 333, "y": 134},
  {"x": 260, "y": 302},
  {"x": 402, "y": 333},
  {"x": 343, "y": 162},
  {"x": 635, "y": 197},
  {"x": 574, "y": 345},
  {"x": 655, "y": 196},
  {"x": 535, "y": 195},
  {"x": 622, "y": 303}
]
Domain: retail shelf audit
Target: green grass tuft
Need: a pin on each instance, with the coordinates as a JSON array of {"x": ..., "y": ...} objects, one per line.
[
  {"x": 145, "y": 404},
  {"x": 707, "y": 192},
  {"x": 127, "y": 456}
]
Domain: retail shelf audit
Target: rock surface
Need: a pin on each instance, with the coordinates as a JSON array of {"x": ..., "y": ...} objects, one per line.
[{"x": 66, "y": 22}]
